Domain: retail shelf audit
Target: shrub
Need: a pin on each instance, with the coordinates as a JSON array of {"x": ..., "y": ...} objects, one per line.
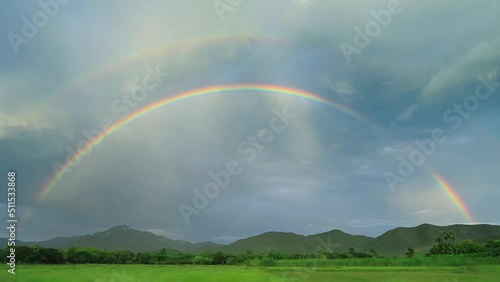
[{"x": 202, "y": 259}]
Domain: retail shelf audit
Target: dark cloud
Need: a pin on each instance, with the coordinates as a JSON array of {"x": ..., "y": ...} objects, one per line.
[{"x": 325, "y": 170}]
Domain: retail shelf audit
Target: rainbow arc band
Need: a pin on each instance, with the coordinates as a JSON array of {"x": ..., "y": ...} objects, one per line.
[
  {"x": 232, "y": 89},
  {"x": 453, "y": 196},
  {"x": 156, "y": 53},
  {"x": 184, "y": 96}
]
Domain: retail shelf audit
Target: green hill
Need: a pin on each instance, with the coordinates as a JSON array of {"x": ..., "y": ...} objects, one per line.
[
  {"x": 124, "y": 237},
  {"x": 393, "y": 242},
  {"x": 120, "y": 237},
  {"x": 422, "y": 237},
  {"x": 52, "y": 243},
  {"x": 340, "y": 241},
  {"x": 291, "y": 243},
  {"x": 287, "y": 243}
]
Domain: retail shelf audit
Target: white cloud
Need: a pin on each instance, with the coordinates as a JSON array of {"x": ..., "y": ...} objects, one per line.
[
  {"x": 463, "y": 70},
  {"x": 11, "y": 126},
  {"x": 226, "y": 239},
  {"x": 481, "y": 59},
  {"x": 342, "y": 89},
  {"x": 407, "y": 113},
  {"x": 421, "y": 212},
  {"x": 174, "y": 234},
  {"x": 320, "y": 167}
]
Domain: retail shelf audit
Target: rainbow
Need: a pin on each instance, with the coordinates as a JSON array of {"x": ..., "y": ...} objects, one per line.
[
  {"x": 155, "y": 52},
  {"x": 454, "y": 197},
  {"x": 184, "y": 96}
]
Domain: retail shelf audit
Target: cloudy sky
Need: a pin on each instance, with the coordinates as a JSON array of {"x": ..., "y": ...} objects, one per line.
[{"x": 423, "y": 72}]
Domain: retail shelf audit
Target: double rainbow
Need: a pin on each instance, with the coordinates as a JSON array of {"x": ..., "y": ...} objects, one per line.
[{"x": 230, "y": 89}]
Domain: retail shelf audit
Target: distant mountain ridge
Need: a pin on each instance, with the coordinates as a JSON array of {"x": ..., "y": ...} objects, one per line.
[
  {"x": 392, "y": 242},
  {"x": 422, "y": 237},
  {"x": 120, "y": 237}
]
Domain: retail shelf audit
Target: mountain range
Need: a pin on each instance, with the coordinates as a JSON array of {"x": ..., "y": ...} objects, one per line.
[{"x": 393, "y": 242}]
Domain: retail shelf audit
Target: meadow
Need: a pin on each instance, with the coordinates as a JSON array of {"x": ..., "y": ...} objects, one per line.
[{"x": 188, "y": 273}]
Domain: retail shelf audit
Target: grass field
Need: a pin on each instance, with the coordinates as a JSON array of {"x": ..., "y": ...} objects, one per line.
[{"x": 135, "y": 273}]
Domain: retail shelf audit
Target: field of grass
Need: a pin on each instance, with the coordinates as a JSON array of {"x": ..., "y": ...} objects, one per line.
[
  {"x": 418, "y": 260},
  {"x": 135, "y": 273}
]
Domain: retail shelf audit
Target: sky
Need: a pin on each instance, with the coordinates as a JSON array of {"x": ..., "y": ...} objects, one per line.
[{"x": 407, "y": 93}]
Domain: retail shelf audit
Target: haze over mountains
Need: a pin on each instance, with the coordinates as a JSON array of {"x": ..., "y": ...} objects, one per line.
[{"x": 393, "y": 242}]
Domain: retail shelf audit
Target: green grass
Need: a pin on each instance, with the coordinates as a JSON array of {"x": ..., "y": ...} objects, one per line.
[
  {"x": 419, "y": 260},
  {"x": 135, "y": 273},
  {"x": 370, "y": 273}
]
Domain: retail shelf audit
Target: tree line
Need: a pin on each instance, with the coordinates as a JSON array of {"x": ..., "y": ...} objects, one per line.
[
  {"x": 446, "y": 244},
  {"x": 78, "y": 255}
]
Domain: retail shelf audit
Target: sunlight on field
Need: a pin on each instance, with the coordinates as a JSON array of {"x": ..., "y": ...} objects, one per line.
[{"x": 136, "y": 273}]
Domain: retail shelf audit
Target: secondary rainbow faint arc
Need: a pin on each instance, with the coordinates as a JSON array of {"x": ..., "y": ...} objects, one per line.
[
  {"x": 169, "y": 48},
  {"x": 216, "y": 89},
  {"x": 453, "y": 196}
]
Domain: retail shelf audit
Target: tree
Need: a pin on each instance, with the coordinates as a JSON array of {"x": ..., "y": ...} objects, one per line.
[
  {"x": 219, "y": 258},
  {"x": 71, "y": 255},
  {"x": 373, "y": 253},
  {"x": 334, "y": 255},
  {"x": 493, "y": 248},
  {"x": 452, "y": 236},
  {"x": 445, "y": 244},
  {"x": 98, "y": 256},
  {"x": 144, "y": 258},
  {"x": 83, "y": 256},
  {"x": 110, "y": 258},
  {"x": 410, "y": 253},
  {"x": 36, "y": 256},
  {"x": 4, "y": 253},
  {"x": 204, "y": 259},
  {"x": 273, "y": 254},
  {"x": 123, "y": 256},
  {"x": 446, "y": 237},
  {"x": 51, "y": 256},
  {"x": 23, "y": 254}
]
